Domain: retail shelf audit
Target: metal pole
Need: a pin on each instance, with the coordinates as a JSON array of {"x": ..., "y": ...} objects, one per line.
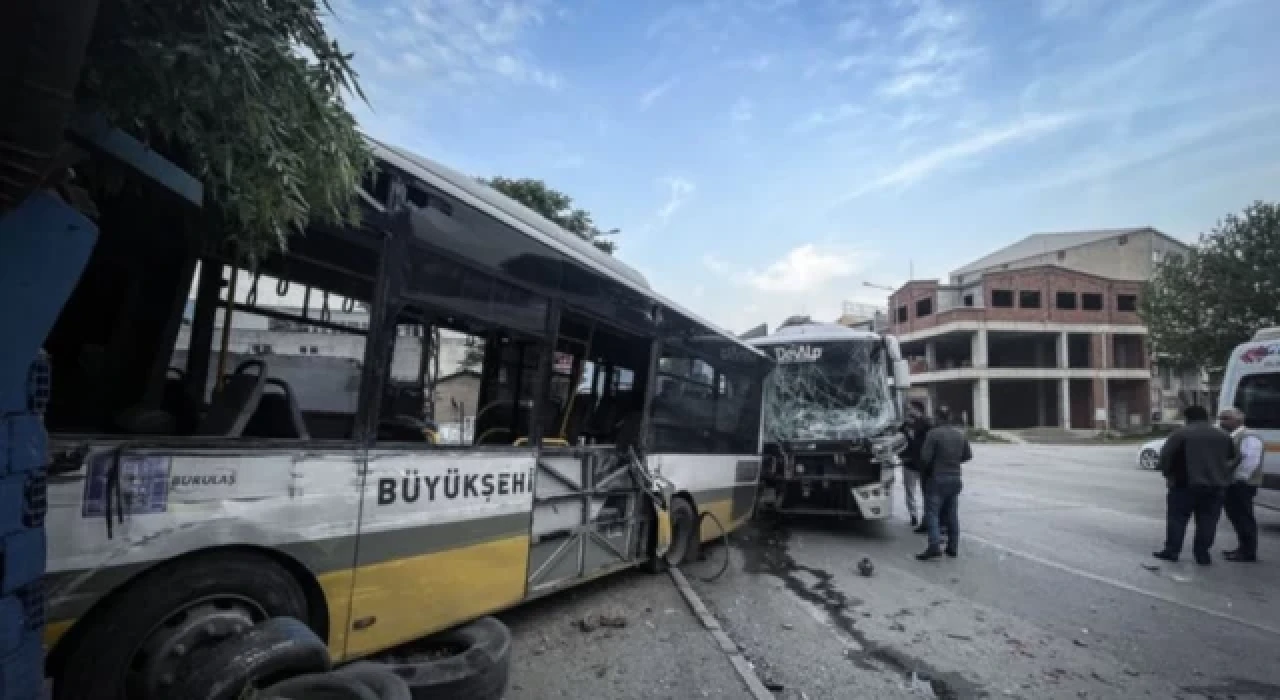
[{"x": 226, "y": 327}]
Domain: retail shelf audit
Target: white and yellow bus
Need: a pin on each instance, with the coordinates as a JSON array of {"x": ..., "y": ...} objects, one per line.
[{"x": 180, "y": 511}]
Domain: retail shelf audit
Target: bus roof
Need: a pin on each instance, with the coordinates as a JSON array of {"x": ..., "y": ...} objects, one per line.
[
  {"x": 813, "y": 332},
  {"x": 523, "y": 219}
]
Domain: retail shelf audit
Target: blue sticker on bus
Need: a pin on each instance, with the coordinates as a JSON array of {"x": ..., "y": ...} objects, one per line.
[{"x": 144, "y": 485}]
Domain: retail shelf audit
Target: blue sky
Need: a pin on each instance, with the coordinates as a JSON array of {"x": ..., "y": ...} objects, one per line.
[{"x": 768, "y": 157}]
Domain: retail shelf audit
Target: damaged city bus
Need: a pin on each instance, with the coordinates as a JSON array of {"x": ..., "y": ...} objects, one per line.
[
  {"x": 833, "y": 409},
  {"x": 207, "y": 473}
]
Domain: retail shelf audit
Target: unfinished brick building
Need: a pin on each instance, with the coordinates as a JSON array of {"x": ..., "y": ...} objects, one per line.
[{"x": 1043, "y": 333}]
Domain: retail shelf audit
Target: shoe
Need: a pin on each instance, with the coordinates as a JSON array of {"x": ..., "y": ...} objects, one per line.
[
  {"x": 952, "y": 553},
  {"x": 1167, "y": 556},
  {"x": 921, "y": 530},
  {"x": 1235, "y": 555},
  {"x": 930, "y": 553},
  {"x": 1203, "y": 559},
  {"x": 915, "y": 521}
]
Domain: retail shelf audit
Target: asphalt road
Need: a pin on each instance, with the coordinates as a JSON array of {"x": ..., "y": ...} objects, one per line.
[{"x": 1054, "y": 595}]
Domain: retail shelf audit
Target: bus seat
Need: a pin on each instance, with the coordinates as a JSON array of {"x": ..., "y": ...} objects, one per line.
[
  {"x": 277, "y": 414},
  {"x": 235, "y": 404}
]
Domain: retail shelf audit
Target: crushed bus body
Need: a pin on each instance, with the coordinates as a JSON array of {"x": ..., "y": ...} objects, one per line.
[
  {"x": 833, "y": 410},
  {"x": 225, "y": 460}
]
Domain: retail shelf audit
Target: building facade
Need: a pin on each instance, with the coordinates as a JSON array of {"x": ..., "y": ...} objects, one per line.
[{"x": 1043, "y": 333}]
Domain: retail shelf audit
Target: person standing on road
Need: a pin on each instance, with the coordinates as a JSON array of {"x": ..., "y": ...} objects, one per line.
[
  {"x": 1247, "y": 477},
  {"x": 945, "y": 449},
  {"x": 1196, "y": 462},
  {"x": 915, "y": 429}
]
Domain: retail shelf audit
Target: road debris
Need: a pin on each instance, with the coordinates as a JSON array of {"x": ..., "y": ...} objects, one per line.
[{"x": 865, "y": 567}]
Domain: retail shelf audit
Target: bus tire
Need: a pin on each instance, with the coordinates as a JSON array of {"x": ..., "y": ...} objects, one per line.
[
  {"x": 94, "y": 665},
  {"x": 684, "y": 533},
  {"x": 478, "y": 668},
  {"x": 359, "y": 681},
  {"x": 279, "y": 648}
]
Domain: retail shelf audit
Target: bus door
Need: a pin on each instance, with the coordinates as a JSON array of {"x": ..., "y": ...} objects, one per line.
[{"x": 590, "y": 514}]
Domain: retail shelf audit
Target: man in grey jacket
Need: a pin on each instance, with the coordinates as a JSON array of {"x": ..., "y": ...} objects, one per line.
[
  {"x": 944, "y": 450},
  {"x": 1197, "y": 462}
]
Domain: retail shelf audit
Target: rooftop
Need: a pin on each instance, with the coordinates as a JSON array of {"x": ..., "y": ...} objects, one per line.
[{"x": 1042, "y": 243}]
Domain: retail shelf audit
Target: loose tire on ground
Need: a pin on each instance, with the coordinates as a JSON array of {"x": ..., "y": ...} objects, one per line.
[
  {"x": 317, "y": 686},
  {"x": 476, "y": 667},
  {"x": 277, "y": 649},
  {"x": 379, "y": 678},
  {"x": 96, "y": 665},
  {"x": 359, "y": 681}
]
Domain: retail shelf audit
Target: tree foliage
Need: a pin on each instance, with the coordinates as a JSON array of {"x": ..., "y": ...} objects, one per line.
[
  {"x": 1200, "y": 307},
  {"x": 246, "y": 95},
  {"x": 555, "y": 206}
]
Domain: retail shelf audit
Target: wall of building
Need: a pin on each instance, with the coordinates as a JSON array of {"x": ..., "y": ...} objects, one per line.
[
  {"x": 1047, "y": 281},
  {"x": 1130, "y": 257}
]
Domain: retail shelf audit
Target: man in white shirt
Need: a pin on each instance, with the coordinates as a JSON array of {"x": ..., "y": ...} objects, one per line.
[{"x": 1238, "y": 505}]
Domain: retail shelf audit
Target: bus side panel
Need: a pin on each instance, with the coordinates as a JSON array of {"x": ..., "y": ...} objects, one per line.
[
  {"x": 444, "y": 538},
  {"x": 723, "y": 485},
  {"x": 303, "y": 505}
]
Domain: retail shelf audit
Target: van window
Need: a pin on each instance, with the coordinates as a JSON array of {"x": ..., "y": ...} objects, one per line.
[{"x": 1259, "y": 397}]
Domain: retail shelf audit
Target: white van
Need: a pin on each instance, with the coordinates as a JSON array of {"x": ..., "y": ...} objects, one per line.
[{"x": 1251, "y": 383}]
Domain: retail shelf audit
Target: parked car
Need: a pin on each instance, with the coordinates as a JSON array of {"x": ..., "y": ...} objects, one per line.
[{"x": 1149, "y": 455}]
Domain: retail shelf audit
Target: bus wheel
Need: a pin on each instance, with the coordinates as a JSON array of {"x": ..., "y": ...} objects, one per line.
[
  {"x": 135, "y": 646},
  {"x": 684, "y": 533}
]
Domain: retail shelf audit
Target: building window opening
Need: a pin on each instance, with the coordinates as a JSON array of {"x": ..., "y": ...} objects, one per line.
[
  {"x": 1091, "y": 302},
  {"x": 924, "y": 307},
  {"x": 1126, "y": 302},
  {"x": 1002, "y": 298},
  {"x": 1065, "y": 301},
  {"x": 1029, "y": 299}
]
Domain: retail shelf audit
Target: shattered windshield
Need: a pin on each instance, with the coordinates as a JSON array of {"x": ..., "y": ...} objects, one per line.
[{"x": 828, "y": 391}]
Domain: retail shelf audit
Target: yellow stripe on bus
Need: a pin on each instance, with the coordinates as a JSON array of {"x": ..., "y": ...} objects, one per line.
[
  {"x": 723, "y": 510},
  {"x": 415, "y": 596}
]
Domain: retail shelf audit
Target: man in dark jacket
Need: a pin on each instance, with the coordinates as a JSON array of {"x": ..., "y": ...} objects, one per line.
[
  {"x": 915, "y": 429},
  {"x": 1196, "y": 462},
  {"x": 945, "y": 449}
]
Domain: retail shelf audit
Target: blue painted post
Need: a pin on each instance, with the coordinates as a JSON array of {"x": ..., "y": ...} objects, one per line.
[{"x": 44, "y": 247}]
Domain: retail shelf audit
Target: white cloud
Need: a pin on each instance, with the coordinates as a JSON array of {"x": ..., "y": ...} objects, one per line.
[
  {"x": 937, "y": 53},
  {"x": 810, "y": 278},
  {"x": 826, "y": 117},
  {"x": 652, "y": 94},
  {"x": 957, "y": 152},
  {"x": 741, "y": 111},
  {"x": 679, "y": 190},
  {"x": 804, "y": 269},
  {"x": 1104, "y": 161},
  {"x": 451, "y": 42}
]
